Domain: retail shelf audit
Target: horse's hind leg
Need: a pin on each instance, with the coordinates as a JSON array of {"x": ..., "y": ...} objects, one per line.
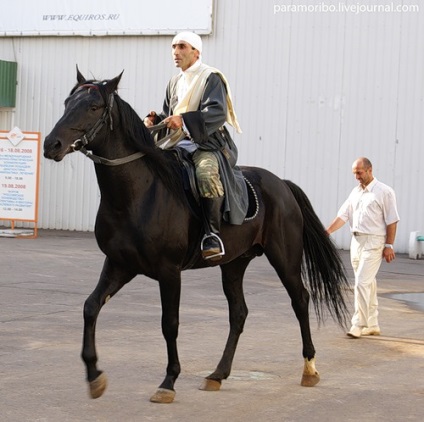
[
  {"x": 232, "y": 282},
  {"x": 110, "y": 282},
  {"x": 289, "y": 272}
]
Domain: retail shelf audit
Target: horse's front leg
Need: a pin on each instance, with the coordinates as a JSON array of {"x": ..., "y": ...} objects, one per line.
[
  {"x": 170, "y": 292},
  {"x": 232, "y": 282},
  {"x": 111, "y": 281}
]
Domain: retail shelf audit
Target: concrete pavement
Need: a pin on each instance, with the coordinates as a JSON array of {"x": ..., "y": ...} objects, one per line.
[{"x": 45, "y": 281}]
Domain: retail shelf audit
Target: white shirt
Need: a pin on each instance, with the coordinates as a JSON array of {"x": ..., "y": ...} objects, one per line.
[
  {"x": 186, "y": 78},
  {"x": 370, "y": 210},
  {"x": 181, "y": 88}
]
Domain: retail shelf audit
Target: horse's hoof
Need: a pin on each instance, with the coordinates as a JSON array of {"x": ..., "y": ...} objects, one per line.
[
  {"x": 310, "y": 380},
  {"x": 210, "y": 385},
  {"x": 163, "y": 395},
  {"x": 98, "y": 386}
]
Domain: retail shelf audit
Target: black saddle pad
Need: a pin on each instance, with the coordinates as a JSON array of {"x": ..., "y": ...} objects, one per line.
[{"x": 188, "y": 172}]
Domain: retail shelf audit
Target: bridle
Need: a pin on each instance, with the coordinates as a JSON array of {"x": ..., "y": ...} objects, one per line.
[{"x": 80, "y": 143}]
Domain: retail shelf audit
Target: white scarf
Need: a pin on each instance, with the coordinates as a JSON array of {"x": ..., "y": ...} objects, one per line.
[{"x": 190, "y": 90}]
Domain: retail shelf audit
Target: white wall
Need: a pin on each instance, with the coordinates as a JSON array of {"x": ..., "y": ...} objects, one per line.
[{"x": 313, "y": 91}]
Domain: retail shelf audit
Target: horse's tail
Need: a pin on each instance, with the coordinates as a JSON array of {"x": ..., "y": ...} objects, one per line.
[{"x": 322, "y": 266}]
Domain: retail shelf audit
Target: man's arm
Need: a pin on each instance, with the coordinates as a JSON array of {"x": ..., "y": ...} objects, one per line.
[
  {"x": 212, "y": 111},
  {"x": 391, "y": 233},
  {"x": 335, "y": 225},
  {"x": 388, "y": 252}
]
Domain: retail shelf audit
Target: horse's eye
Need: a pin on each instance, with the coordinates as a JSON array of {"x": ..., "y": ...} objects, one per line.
[{"x": 93, "y": 108}]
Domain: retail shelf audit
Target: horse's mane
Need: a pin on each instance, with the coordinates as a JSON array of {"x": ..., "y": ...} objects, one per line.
[{"x": 161, "y": 163}]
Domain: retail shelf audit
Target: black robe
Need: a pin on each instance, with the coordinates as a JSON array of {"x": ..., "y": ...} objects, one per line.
[{"x": 207, "y": 130}]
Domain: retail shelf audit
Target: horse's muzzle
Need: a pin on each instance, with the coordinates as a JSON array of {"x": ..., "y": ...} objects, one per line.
[{"x": 54, "y": 149}]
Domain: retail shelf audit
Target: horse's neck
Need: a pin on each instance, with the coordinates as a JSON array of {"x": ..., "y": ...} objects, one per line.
[
  {"x": 125, "y": 184},
  {"x": 113, "y": 179},
  {"x": 152, "y": 175}
]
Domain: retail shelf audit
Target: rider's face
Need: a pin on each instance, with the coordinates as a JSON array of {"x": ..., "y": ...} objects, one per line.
[{"x": 184, "y": 55}]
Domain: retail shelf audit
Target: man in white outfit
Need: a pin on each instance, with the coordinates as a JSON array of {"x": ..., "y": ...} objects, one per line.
[{"x": 372, "y": 214}]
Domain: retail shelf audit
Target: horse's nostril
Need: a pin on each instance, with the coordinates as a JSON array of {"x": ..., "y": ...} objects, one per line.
[
  {"x": 52, "y": 144},
  {"x": 57, "y": 144},
  {"x": 51, "y": 147}
]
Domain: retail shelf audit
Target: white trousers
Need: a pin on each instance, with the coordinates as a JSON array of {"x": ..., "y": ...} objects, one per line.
[{"x": 366, "y": 254}]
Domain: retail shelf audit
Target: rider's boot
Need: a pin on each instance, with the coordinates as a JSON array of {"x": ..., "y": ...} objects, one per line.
[{"x": 212, "y": 246}]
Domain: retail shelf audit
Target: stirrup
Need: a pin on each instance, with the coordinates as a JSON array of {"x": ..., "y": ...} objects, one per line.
[{"x": 221, "y": 246}]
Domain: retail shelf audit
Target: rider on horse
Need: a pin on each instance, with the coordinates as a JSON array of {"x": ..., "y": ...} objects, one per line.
[{"x": 197, "y": 104}]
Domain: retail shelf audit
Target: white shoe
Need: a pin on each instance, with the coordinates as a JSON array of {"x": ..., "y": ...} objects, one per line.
[
  {"x": 371, "y": 331},
  {"x": 354, "y": 332}
]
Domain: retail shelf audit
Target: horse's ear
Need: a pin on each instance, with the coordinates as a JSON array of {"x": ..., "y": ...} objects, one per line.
[
  {"x": 80, "y": 77},
  {"x": 112, "y": 85}
]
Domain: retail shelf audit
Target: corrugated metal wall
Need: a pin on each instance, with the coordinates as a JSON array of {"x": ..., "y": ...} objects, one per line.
[{"x": 313, "y": 91}]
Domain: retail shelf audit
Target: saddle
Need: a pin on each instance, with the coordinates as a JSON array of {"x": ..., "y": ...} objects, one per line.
[{"x": 188, "y": 172}]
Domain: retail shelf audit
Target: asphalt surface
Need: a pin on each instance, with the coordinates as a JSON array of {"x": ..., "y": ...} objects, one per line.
[{"x": 45, "y": 281}]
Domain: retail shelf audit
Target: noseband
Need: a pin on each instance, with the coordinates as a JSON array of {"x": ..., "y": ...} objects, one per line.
[{"x": 80, "y": 143}]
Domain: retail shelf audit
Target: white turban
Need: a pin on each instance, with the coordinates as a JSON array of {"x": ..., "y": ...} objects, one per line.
[{"x": 189, "y": 37}]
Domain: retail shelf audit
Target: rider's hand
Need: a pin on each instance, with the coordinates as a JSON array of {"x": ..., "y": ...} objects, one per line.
[
  {"x": 149, "y": 120},
  {"x": 174, "y": 122}
]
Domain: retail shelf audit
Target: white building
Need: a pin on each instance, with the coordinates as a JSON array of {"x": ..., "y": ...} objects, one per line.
[{"x": 315, "y": 85}]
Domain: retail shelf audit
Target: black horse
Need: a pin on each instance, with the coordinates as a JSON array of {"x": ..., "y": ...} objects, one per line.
[{"x": 144, "y": 226}]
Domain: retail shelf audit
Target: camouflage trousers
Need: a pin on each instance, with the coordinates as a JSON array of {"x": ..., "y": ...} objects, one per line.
[{"x": 207, "y": 174}]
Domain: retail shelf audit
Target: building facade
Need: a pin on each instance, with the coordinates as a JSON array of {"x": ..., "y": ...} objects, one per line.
[{"x": 313, "y": 88}]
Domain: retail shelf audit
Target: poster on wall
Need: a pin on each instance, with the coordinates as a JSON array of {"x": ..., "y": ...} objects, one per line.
[
  {"x": 104, "y": 17},
  {"x": 19, "y": 170}
]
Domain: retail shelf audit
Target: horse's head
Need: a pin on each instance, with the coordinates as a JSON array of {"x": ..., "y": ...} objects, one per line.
[{"x": 88, "y": 111}]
